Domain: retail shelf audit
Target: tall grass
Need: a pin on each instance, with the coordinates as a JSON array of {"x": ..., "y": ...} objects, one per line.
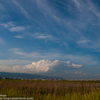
[{"x": 51, "y": 90}]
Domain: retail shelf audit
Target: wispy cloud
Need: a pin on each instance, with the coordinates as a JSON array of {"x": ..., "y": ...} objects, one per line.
[
  {"x": 44, "y": 36},
  {"x": 22, "y": 9},
  {"x": 2, "y": 8},
  {"x": 78, "y": 5},
  {"x": 13, "y": 27},
  {"x": 76, "y": 66},
  {"x": 83, "y": 41},
  {"x": 17, "y": 29},
  {"x": 45, "y": 8},
  {"x": 87, "y": 15},
  {"x": 18, "y": 51},
  {"x": 19, "y": 36},
  {"x": 3, "y": 12},
  {"x": 94, "y": 9},
  {"x": 2, "y": 41},
  {"x": 73, "y": 28},
  {"x": 84, "y": 16},
  {"x": 83, "y": 59},
  {"x": 8, "y": 24}
]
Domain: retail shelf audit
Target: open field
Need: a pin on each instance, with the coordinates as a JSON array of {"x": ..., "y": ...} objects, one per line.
[{"x": 51, "y": 90}]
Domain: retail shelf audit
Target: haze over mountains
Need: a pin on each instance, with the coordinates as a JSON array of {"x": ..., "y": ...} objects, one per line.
[{"x": 25, "y": 76}]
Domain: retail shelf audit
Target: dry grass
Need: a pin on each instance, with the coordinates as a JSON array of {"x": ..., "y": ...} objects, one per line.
[{"x": 49, "y": 89}]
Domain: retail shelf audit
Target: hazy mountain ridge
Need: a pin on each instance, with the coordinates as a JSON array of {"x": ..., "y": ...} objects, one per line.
[{"x": 25, "y": 75}]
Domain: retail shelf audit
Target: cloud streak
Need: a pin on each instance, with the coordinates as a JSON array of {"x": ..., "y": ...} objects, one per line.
[
  {"x": 83, "y": 41},
  {"x": 22, "y": 9},
  {"x": 13, "y": 28},
  {"x": 17, "y": 29},
  {"x": 8, "y": 24},
  {"x": 2, "y": 41},
  {"x": 19, "y": 36},
  {"x": 44, "y": 37},
  {"x": 83, "y": 59}
]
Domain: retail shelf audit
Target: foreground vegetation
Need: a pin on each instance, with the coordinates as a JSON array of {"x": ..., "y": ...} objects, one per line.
[{"x": 51, "y": 90}]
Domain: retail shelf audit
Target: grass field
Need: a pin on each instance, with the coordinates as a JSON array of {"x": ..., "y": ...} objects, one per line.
[{"x": 51, "y": 90}]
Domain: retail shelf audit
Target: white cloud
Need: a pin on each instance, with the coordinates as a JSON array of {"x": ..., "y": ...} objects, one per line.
[
  {"x": 19, "y": 36},
  {"x": 41, "y": 66},
  {"x": 17, "y": 29},
  {"x": 44, "y": 36},
  {"x": 14, "y": 28},
  {"x": 8, "y": 24},
  {"x": 83, "y": 41},
  {"x": 77, "y": 66}
]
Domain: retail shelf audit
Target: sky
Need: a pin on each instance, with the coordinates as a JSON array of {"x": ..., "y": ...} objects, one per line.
[{"x": 59, "y": 38}]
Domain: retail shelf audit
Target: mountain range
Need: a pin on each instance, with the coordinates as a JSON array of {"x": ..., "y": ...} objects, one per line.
[{"x": 25, "y": 76}]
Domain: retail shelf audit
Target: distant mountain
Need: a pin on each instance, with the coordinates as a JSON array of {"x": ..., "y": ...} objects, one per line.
[{"x": 25, "y": 76}]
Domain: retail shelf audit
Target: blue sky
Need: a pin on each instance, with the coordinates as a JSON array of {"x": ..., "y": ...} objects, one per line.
[{"x": 50, "y": 37}]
